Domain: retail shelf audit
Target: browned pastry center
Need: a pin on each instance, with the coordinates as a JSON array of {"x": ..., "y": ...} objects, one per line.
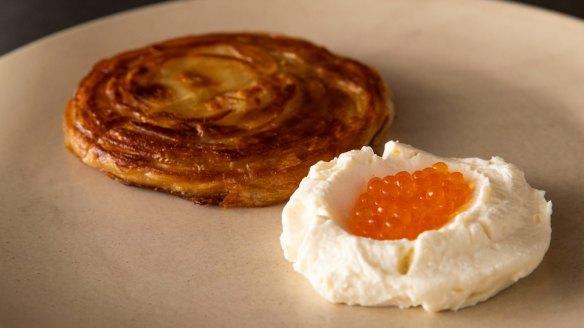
[{"x": 228, "y": 119}]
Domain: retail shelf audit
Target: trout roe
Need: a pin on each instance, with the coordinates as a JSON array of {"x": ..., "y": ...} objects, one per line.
[{"x": 404, "y": 205}]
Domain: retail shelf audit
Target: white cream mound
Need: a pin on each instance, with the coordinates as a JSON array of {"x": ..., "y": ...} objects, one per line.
[{"x": 499, "y": 238}]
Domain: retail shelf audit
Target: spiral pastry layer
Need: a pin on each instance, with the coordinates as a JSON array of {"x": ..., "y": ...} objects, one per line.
[{"x": 232, "y": 119}]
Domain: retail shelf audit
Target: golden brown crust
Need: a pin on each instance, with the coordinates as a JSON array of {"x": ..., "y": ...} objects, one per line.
[{"x": 228, "y": 119}]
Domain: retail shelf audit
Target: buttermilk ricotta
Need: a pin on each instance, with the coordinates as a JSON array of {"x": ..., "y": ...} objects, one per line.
[{"x": 500, "y": 237}]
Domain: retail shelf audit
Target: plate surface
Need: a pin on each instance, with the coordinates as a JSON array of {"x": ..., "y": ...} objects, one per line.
[{"x": 471, "y": 78}]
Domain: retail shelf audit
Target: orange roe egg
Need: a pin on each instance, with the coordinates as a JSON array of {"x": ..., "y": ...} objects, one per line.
[{"x": 404, "y": 205}]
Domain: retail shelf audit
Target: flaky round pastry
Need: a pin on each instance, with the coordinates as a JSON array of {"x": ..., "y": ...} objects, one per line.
[{"x": 233, "y": 119}]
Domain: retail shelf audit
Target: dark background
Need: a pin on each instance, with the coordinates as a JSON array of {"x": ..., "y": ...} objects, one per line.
[{"x": 23, "y": 21}]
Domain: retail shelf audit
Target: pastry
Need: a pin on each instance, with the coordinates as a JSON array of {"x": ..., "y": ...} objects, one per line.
[{"x": 231, "y": 119}]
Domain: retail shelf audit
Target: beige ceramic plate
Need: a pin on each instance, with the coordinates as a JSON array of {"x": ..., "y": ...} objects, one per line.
[{"x": 472, "y": 78}]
